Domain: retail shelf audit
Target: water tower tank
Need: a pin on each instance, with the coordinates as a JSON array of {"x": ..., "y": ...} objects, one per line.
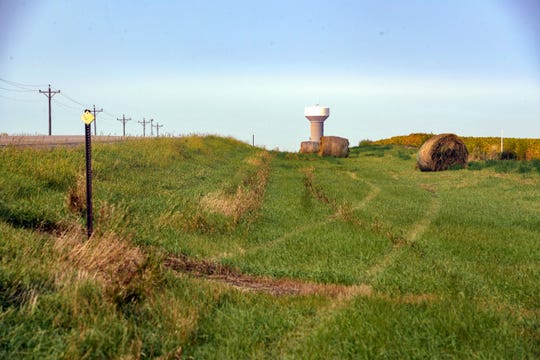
[{"x": 316, "y": 116}]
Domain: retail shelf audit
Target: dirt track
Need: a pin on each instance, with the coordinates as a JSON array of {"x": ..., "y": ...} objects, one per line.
[{"x": 52, "y": 141}]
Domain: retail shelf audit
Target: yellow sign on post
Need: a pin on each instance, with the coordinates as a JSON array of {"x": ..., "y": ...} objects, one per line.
[{"x": 87, "y": 117}]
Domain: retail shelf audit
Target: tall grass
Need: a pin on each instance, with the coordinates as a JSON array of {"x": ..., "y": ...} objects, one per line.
[{"x": 448, "y": 261}]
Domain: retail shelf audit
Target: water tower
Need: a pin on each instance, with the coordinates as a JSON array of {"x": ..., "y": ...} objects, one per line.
[{"x": 316, "y": 116}]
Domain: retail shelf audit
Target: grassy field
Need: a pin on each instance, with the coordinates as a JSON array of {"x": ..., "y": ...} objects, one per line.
[{"x": 205, "y": 247}]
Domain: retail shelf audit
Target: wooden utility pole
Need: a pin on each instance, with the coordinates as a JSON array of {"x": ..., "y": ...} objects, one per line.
[
  {"x": 95, "y": 118},
  {"x": 143, "y": 123},
  {"x": 157, "y": 128},
  {"x": 124, "y": 120},
  {"x": 49, "y": 94}
]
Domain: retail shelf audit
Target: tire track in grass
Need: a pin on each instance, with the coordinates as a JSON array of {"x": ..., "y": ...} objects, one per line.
[
  {"x": 215, "y": 271},
  {"x": 339, "y": 297},
  {"x": 342, "y": 295},
  {"x": 412, "y": 235},
  {"x": 335, "y": 297},
  {"x": 338, "y": 303},
  {"x": 233, "y": 277},
  {"x": 374, "y": 192}
]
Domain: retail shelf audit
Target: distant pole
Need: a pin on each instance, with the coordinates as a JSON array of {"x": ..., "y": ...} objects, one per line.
[
  {"x": 124, "y": 120},
  {"x": 253, "y": 140},
  {"x": 143, "y": 123},
  {"x": 87, "y": 118},
  {"x": 95, "y": 118},
  {"x": 157, "y": 128},
  {"x": 151, "y": 127},
  {"x": 49, "y": 94}
]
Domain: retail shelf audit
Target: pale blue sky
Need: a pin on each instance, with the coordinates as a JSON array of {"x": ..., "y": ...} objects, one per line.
[{"x": 239, "y": 68}]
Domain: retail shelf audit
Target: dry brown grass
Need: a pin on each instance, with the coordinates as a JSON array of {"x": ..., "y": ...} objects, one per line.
[
  {"x": 429, "y": 188},
  {"x": 110, "y": 261},
  {"x": 233, "y": 277},
  {"x": 216, "y": 272},
  {"x": 231, "y": 204},
  {"x": 249, "y": 193},
  {"x": 76, "y": 196}
]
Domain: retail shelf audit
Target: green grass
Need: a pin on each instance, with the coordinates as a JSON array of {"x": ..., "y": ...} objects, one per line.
[{"x": 449, "y": 261}]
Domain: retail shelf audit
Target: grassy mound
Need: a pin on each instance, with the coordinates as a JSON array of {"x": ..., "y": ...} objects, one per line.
[{"x": 206, "y": 247}]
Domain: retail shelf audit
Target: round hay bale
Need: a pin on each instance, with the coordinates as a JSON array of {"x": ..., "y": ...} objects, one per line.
[
  {"x": 334, "y": 146},
  {"x": 309, "y": 147},
  {"x": 442, "y": 152}
]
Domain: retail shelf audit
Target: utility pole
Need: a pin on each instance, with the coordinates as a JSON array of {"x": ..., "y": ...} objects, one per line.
[
  {"x": 143, "y": 123},
  {"x": 49, "y": 94},
  {"x": 95, "y": 118},
  {"x": 151, "y": 127},
  {"x": 157, "y": 128},
  {"x": 124, "y": 120}
]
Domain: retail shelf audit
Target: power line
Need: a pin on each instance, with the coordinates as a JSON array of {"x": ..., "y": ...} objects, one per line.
[
  {"x": 67, "y": 106},
  {"x": 17, "y": 90},
  {"x": 23, "y": 100},
  {"x": 73, "y": 100},
  {"x": 124, "y": 120},
  {"x": 112, "y": 116},
  {"x": 19, "y": 85},
  {"x": 86, "y": 106},
  {"x": 49, "y": 94},
  {"x": 107, "y": 118}
]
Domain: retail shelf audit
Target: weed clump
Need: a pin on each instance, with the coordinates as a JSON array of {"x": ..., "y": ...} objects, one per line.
[
  {"x": 119, "y": 268},
  {"x": 76, "y": 196},
  {"x": 235, "y": 202},
  {"x": 241, "y": 202},
  {"x": 193, "y": 218}
]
